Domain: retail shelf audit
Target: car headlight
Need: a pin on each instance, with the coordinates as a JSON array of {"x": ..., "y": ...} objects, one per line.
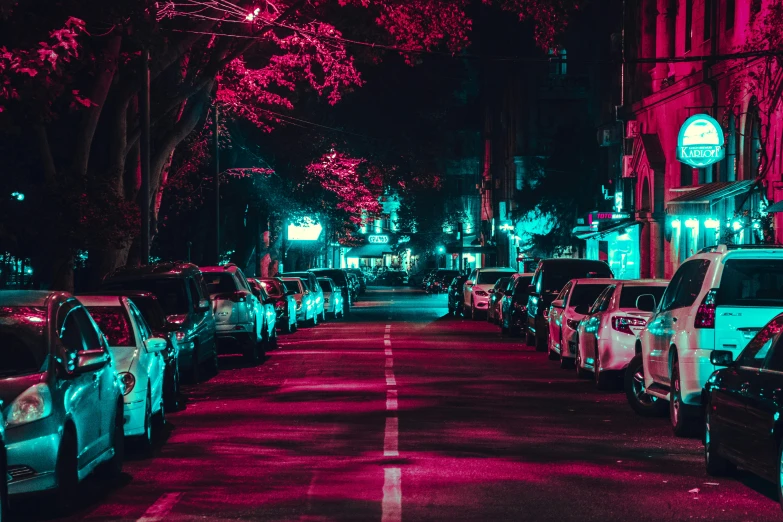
[
  {"x": 299, "y": 305},
  {"x": 128, "y": 381},
  {"x": 481, "y": 293},
  {"x": 35, "y": 403}
]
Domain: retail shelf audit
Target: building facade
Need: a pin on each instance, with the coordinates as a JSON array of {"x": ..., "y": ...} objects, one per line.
[{"x": 683, "y": 66}]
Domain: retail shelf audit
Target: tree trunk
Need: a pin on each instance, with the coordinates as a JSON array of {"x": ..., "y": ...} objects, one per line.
[
  {"x": 103, "y": 261},
  {"x": 60, "y": 268}
]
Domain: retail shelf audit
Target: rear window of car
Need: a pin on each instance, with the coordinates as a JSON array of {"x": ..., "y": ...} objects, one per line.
[
  {"x": 294, "y": 285},
  {"x": 502, "y": 283},
  {"x": 556, "y": 275},
  {"x": 338, "y": 276},
  {"x": 751, "y": 282},
  {"x": 114, "y": 323},
  {"x": 171, "y": 292},
  {"x": 585, "y": 294},
  {"x": 273, "y": 288},
  {"x": 630, "y": 294},
  {"x": 522, "y": 283},
  {"x": 150, "y": 311},
  {"x": 490, "y": 278},
  {"x": 326, "y": 286},
  {"x": 220, "y": 282},
  {"x": 22, "y": 342}
]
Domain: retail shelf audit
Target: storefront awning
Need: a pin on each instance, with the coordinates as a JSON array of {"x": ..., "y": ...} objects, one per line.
[
  {"x": 616, "y": 228},
  {"x": 698, "y": 202},
  {"x": 371, "y": 251}
]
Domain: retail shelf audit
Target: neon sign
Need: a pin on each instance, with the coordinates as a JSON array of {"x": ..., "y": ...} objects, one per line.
[
  {"x": 378, "y": 239},
  {"x": 307, "y": 230},
  {"x": 700, "y": 142}
]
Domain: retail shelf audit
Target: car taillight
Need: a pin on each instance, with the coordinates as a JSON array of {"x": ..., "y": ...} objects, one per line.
[
  {"x": 546, "y": 313},
  {"x": 705, "y": 315},
  {"x": 624, "y": 324},
  {"x": 572, "y": 323},
  {"x": 481, "y": 293}
]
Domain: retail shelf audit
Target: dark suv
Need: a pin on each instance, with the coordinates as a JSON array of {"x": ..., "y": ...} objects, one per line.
[
  {"x": 181, "y": 292},
  {"x": 550, "y": 277}
]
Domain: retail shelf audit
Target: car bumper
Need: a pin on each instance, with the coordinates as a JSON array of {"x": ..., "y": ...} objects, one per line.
[
  {"x": 616, "y": 351},
  {"x": 227, "y": 330},
  {"x": 480, "y": 303},
  {"x": 133, "y": 417},
  {"x": 695, "y": 369},
  {"x": 569, "y": 347},
  {"x": 32, "y": 456}
]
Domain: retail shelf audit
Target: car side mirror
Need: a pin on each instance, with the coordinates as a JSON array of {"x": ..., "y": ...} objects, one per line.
[
  {"x": 468, "y": 283},
  {"x": 721, "y": 357},
  {"x": 203, "y": 305},
  {"x": 646, "y": 303},
  {"x": 558, "y": 303},
  {"x": 582, "y": 309},
  {"x": 91, "y": 360},
  {"x": 155, "y": 344}
]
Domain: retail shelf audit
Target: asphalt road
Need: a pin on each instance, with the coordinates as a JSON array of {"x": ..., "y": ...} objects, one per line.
[{"x": 400, "y": 412}]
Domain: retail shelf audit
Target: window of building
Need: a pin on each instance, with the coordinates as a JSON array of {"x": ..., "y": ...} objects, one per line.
[
  {"x": 708, "y": 5},
  {"x": 731, "y": 7},
  {"x": 688, "y": 24},
  {"x": 557, "y": 62}
]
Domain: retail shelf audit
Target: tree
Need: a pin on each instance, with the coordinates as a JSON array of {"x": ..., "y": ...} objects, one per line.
[{"x": 71, "y": 80}]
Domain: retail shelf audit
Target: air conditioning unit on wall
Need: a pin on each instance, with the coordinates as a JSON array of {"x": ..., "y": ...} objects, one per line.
[{"x": 632, "y": 129}]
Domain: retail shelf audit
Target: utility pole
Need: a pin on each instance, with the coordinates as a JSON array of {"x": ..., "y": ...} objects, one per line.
[
  {"x": 217, "y": 186},
  {"x": 145, "y": 158}
]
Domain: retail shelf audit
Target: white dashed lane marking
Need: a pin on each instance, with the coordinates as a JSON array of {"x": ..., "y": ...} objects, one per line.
[{"x": 161, "y": 508}]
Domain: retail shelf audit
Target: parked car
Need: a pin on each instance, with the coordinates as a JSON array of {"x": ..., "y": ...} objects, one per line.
[
  {"x": 514, "y": 304},
  {"x": 717, "y": 300},
  {"x": 137, "y": 355},
  {"x": 477, "y": 286},
  {"x": 62, "y": 399},
  {"x": 550, "y": 277},
  {"x": 153, "y": 313},
  {"x": 239, "y": 315},
  {"x": 743, "y": 407},
  {"x": 353, "y": 284},
  {"x": 439, "y": 281},
  {"x": 394, "y": 277},
  {"x": 338, "y": 276},
  {"x": 305, "y": 305},
  {"x": 421, "y": 278},
  {"x": 181, "y": 292},
  {"x": 269, "y": 312},
  {"x": 496, "y": 294},
  {"x": 456, "y": 299},
  {"x": 565, "y": 313},
  {"x": 606, "y": 337},
  {"x": 362, "y": 278},
  {"x": 311, "y": 282},
  {"x": 333, "y": 300},
  {"x": 285, "y": 304}
]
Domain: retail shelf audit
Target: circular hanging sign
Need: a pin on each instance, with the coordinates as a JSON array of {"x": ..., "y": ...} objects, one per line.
[{"x": 700, "y": 142}]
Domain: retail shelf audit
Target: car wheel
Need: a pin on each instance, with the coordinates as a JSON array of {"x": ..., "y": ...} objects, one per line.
[
  {"x": 145, "y": 439},
  {"x": 195, "y": 367},
  {"x": 250, "y": 350},
  {"x": 214, "y": 365},
  {"x": 67, "y": 474},
  {"x": 580, "y": 371},
  {"x": 3, "y": 485},
  {"x": 553, "y": 356},
  {"x": 159, "y": 422},
  {"x": 541, "y": 342},
  {"x": 780, "y": 474},
  {"x": 715, "y": 463},
  {"x": 681, "y": 415},
  {"x": 635, "y": 391},
  {"x": 171, "y": 392},
  {"x": 601, "y": 378},
  {"x": 112, "y": 469},
  {"x": 323, "y": 315},
  {"x": 473, "y": 311},
  {"x": 530, "y": 340},
  {"x": 566, "y": 363},
  {"x": 288, "y": 327}
]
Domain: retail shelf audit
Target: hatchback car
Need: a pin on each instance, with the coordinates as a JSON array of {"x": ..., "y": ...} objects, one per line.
[
  {"x": 181, "y": 292},
  {"x": 477, "y": 287},
  {"x": 333, "y": 300},
  {"x": 285, "y": 305},
  {"x": 305, "y": 305},
  {"x": 315, "y": 290},
  {"x": 239, "y": 315},
  {"x": 513, "y": 317},
  {"x": 743, "y": 406},
  {"x": 550, "y": 277},
  {"x": 268, "y": 309},
  {"x": 717, "y": 300},
  {"x": 137, "y": 355},
  {"x": 565, "y": 313},
  {"x": 63, "y": 400},
  {"x": 340, "y": 279},
  {"x": 496, "y": 295},
  {"x": 606, "y": 337}
]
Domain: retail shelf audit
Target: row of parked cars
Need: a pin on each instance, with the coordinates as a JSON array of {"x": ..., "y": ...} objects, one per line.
[
  {"x": 704, "y": 349},
  {"x": 80, "y": 375}
]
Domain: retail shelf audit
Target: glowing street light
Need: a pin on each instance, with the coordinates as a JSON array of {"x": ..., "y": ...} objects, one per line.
[
  {"x": 441, "y": 250},
  {"x": 18, "y": 196}
]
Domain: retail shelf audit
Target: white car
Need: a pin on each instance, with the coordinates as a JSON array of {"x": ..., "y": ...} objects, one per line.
[
  {"x": 565, "y": 313},
  {"x": 306, "y": 307},
  {"x": 607, "y": 334},
  {"x": 475, "y": 292},
  {"x": 239, "y": 315},
  {"x": 333, "y": 299},
  {"x": 139, "y": 361},
  {"x": 717, "y": 300}
]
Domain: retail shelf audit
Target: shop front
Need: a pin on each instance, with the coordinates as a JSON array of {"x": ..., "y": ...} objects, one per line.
[{"x": 613, "y": 237}]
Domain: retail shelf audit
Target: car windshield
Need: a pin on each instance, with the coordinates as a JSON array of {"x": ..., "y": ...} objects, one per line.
[
  {"x": 220, "y": 283},
  {"x": 338, "y": 276},
  {"x": 751, "y": 282},
  {"x": 150, "y": 311},
  {"x": 294, "y": 285},
  {"x": 114, "y": 323},
  {"x": 630, "y": 294},
  {"x": 326, "y": 286},
  {"x": 757, "y": 349},
  {"x": 22, "y": 344},
  {"x": 556, "y": 276},
  {"x": 273, "y": 288},
  {"x": 585, "y": 294},
  {"x": 171, "y": 292},
  {"x": 489, "y": 278},
  {"x": 502, "y": 283}
]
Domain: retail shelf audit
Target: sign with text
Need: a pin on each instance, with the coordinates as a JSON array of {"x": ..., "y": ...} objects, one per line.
[
  {"x": 700, "y": 142},
  {"x": 378, "y": 239}
]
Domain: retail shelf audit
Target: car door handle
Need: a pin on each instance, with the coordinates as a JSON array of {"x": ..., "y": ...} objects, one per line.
[{"x": 674, "y": 319}]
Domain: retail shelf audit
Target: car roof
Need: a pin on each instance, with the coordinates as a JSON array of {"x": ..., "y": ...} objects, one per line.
[
  {"x": 29, "y": 297},
  {"x": 167, "y": 269},
  {"x": 496, "y": 269},
  {"x": 100, "y": 300},
  {"x": 595, "y": 280},
  {"x": 221, "y": 268},
  {"x": 126, "y": 293},
  {"x": 644, "y": 282}
]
